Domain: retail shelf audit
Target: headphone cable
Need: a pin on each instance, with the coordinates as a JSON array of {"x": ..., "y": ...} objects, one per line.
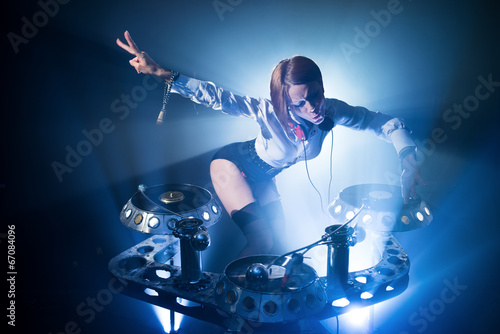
[
  {"x": 331, "y": 170},
  {"x": 309, "y": 175}
]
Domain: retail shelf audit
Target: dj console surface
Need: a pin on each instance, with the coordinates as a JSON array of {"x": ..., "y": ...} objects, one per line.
[{"x": 267, "y": 292}]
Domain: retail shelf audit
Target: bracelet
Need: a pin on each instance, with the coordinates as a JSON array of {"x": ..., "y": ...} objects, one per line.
[
  {"x": 406, "y": 152},
  {"x": 166, "y": 95},
  {"x": 175, "y": 76}
]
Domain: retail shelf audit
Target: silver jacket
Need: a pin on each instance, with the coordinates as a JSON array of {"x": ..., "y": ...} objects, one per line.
[{"x": 272, "y": 144}]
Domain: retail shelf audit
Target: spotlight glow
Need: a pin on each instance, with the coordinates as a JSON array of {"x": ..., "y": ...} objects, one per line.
[
  {"x": 367, "y": 219},
  {"x": 154, "y": 222},
  {"x": 164, "y": 318},
  {"x": 163, "y": 273},
  {"x": 342, "y": 302},
  {"x": 361, "y": 279},
  {"x": 366, "y": 295},
  {"x": 358, "y": 317},
  {"x": 151, "y": 292},
  {"x": 186, "y": 302},
  {"x": 420, "y": 216}
]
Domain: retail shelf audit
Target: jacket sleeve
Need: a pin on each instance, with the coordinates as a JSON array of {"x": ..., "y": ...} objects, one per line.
[
  {"x": 210, "y": 95},
  {"x": 383, "y": 126}
]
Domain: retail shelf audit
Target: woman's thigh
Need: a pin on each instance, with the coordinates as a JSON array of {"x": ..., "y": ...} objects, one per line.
[
  {"x": 230, "y": 185},
  {"x": 266, "y": 192}
]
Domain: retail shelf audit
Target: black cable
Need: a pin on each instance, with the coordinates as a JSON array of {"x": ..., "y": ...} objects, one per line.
[
  {"x": 309, "y": 177},
  {"x": 331, "y": 175},
  {"x": 322, "y": 241},
  {"x": 331, "y": 171}
]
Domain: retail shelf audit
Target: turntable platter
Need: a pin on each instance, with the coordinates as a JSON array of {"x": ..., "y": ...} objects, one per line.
[
  {"x": 264, "y": 298},
  {"x": 383, "y": 208},
  {"x": 156, "y": 209},
  {"x": 374, "y": 196},
  {"x": 174, "y": 197}
]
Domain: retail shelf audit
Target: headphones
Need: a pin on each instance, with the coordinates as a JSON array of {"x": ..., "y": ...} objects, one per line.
[
  {"x": 327, "y": 124},
  {"x": 298, "y": 130}
]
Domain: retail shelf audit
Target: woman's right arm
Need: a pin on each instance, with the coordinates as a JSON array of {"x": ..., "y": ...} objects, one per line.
[
  {"x": 217, "y": 98},
  {"x": 202, "y": 92}
]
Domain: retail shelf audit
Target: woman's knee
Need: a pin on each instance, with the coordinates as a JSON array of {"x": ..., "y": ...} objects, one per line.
[{"x": 255, "y": 227}]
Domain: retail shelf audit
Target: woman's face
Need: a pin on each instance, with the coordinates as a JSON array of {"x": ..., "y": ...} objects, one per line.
[{"x": 308, "y": 101}]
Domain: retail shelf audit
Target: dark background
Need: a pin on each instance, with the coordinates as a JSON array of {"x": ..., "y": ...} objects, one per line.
[{"x": 66, "y": 76}]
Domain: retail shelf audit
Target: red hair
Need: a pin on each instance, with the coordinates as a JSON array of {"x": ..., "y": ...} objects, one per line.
[{"x": 294, "y": 71}]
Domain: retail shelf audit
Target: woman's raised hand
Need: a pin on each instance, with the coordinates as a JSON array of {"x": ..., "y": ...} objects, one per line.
[{"x": 142, "y": 62}]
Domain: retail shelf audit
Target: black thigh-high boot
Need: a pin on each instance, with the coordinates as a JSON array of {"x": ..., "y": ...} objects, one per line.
[
  {"x": 256, "y": 229},
  {"x": 274, "y": 214}
]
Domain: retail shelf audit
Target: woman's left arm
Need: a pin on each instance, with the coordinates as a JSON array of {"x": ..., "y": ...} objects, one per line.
[{"x": 389, "y": 129}]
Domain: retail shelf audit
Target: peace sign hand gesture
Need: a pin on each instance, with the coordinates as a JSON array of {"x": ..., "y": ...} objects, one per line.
[{"x": 142, "y": 62}]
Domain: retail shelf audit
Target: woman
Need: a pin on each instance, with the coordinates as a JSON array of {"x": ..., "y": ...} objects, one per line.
[{"x": 293, "y": 126}]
